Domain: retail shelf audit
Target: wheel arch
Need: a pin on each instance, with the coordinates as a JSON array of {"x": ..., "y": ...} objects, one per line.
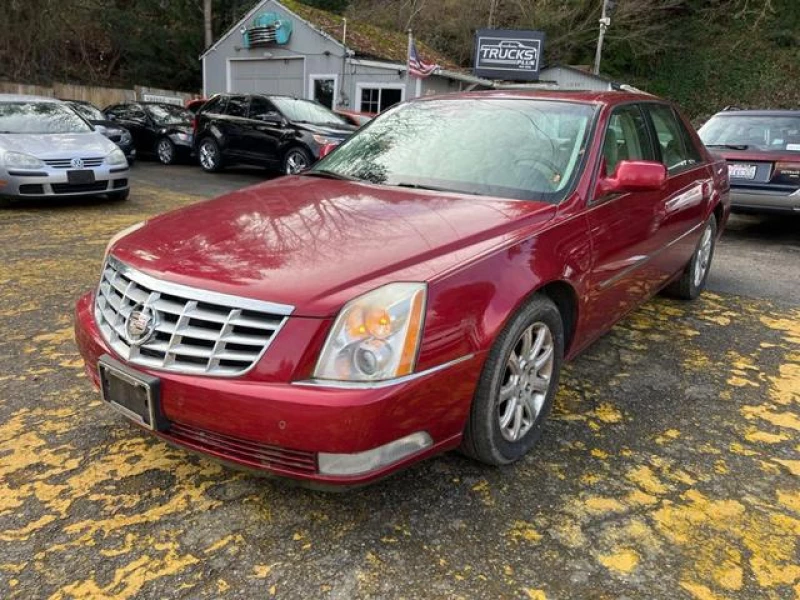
[{"x": 565, "y": 298}]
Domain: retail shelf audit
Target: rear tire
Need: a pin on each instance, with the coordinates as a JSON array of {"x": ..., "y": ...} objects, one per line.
[
  {"x": 692, "y": 281},
  {"x": 517, "y": 386},
  {"x": 209, "y": 155},
  {"x": 119, "y": 196},
  {"x": 165, "y": 151}
]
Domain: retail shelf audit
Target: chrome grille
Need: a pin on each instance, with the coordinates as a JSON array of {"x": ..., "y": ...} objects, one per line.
[
  {"x": 66, "y": 163},
  {"x": 197, "y": 332}
]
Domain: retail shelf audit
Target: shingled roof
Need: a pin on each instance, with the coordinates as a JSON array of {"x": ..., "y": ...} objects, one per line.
[{"x": 366, "y": 40}]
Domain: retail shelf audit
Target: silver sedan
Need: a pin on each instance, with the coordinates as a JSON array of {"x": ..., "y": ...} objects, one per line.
[{"x": 47, "y": 150}]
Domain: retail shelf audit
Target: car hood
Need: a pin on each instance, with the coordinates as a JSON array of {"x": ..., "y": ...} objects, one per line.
[
  {"x": 57, "y": 145},
  {"x": 315, "y": 244},
  {"x": 343, "y": 130}
]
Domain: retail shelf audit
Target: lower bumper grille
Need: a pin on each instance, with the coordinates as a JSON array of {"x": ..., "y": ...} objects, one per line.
[
  {"x": 79, "y": 188},
  {"x": 120, "y": 183},
  {"x": 253, "y": 453},
  {"x": 31, "y": 188}
]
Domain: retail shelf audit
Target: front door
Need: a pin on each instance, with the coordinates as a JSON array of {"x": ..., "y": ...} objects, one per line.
[
  {"x": 264, "y": 131},
  {"x": 623, "y": 227}
]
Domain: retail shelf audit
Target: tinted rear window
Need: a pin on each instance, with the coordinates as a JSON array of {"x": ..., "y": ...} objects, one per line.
[{"x": 751, "y": 132}]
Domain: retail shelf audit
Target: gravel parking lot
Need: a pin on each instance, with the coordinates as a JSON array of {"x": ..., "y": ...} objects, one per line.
[{"x": 669, "y": 468}]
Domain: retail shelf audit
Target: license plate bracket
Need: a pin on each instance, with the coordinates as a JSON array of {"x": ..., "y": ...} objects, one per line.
[
  {"x": 80, "y": 177},
  {"x": 742, "y": 171},
  {"x": 132, "y": 393}
]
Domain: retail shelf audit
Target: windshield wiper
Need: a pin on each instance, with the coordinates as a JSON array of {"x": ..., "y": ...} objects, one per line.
[
  {"x": 419, "y": 186},
  {"x": 329, "y": 175},
  {"x": 729, "y": 146}
]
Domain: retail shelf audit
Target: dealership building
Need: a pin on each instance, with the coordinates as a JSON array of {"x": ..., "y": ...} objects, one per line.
[{"x": 285, "y": 47}]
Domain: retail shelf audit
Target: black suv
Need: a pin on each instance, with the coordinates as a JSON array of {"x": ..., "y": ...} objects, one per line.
[{"x": 271, "y": 131}]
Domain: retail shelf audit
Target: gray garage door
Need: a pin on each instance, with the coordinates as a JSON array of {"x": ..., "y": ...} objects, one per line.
[{"x": 281, "y": 76}]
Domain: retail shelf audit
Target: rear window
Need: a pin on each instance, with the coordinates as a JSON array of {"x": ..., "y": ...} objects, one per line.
[{"x": 751, "y": 132}]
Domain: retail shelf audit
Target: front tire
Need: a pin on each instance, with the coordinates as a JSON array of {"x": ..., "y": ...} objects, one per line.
[
  {"x": 694, "y": 277},
  {"x": 120, "y": 196},
  {"x": 517, "y": 386},
  {"x": 165, "y": 150},
  {"x": 296, "y": 161}
]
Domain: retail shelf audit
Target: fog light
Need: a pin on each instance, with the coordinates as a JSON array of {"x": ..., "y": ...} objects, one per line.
[{"x": 382, "y": 456}]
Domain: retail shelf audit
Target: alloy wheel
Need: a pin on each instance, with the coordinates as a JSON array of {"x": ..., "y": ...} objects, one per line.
[
  {"x": 208, "y": 155},
  {"x": 703, "y": 256},
  {"x": 165, "y": 151},
  {"x": 526, "y": 381},
  {"x": 296, "y": 162}
]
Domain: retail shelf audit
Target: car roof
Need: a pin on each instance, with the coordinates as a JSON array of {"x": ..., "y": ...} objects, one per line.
[
  {"x": 612, "y": 97},
  {"x": 26, "y": 98},
  {"x": 758, "y": 113}
]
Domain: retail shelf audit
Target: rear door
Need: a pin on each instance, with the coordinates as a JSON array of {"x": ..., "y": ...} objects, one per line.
[
  {"x": 689, "y": 186},
  {"x": 623, "y": 227},
  {"x": 232, "y": 126},
  {"x": 264, "y": 130}
]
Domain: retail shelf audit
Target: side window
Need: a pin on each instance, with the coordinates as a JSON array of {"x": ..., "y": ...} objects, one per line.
[
  {"x": 237, "y": 106},
  {"x": 674, "y": 154},
  {"x": 136, "y": 113},
  {"x": 114, "y": 111},
  {"x": 260, "y": 107},
  {"x": 626, "y": 138},
  {"x": 215, "y": 106}
]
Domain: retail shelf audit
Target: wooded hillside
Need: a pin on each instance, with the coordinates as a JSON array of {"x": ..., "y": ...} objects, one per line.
[{"x": 705, "y": 54}]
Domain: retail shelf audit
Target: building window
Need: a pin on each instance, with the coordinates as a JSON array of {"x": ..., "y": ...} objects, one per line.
[
  {"x": 323, "y": 89},
  {"x": 376, "y": 99}
]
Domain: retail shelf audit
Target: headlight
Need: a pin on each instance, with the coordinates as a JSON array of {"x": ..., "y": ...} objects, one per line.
[
  {"x": 324, "y": 141},
  {"x": 116, "y": 158},
  {"x": 184, "y": 137},
  {"x": 121, "y": 234},
  {"x": 375, "y": 336},
  {"x": 18, "y": 160}
]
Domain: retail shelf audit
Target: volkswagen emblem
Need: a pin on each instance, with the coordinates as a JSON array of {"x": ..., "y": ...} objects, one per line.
[
  {"x": 140, "y": 325},
  {"x": 77, "y": 163}
]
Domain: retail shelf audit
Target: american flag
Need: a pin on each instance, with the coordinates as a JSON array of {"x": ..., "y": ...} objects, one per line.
[{"x": 416, "y": 66}]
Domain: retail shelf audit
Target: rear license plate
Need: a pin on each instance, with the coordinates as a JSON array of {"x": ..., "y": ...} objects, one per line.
[
  {"x": 79, "y": 177},
  {"x": 742, "y": 171},
  {"x": 134, "y": 394}
]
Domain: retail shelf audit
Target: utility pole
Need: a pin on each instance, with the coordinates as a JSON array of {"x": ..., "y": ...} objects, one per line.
[
  {"x": 207, "y": 23},
  {"x": 492, "y": 8},
  {"x": 605, "y": 21}
]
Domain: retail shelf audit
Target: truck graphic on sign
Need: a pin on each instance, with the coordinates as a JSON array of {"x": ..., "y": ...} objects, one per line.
[{"x": 510, "y": 53}]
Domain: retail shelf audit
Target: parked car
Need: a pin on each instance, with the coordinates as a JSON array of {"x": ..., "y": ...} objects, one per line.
[
  {"x": 358, "y": 119},
  {"x": 47, "y": 150},
  {"x": 271, "y": 131},
  {"x": 159, "y": 130},
  {"x": 116, "y": 133},
  {"x": 762, "y": 148},
  {"x": 416, "y": 291}
]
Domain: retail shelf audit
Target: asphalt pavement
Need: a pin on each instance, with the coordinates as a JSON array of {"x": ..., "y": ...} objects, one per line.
[{"x": 669, "y": 468}]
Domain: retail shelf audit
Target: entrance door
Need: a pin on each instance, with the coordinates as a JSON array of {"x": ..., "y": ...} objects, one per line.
[{"x": 323, "y": 89}]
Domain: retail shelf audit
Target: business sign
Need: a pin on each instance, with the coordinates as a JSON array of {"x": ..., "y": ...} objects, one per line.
[{"x": 509, "y": 54}]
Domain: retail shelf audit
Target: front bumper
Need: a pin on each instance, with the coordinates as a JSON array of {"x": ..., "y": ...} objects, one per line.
[
  {"x": 281, "y": 427},
  {"x": 757, "y": 200},
  {"x": 51, "y": 182}
]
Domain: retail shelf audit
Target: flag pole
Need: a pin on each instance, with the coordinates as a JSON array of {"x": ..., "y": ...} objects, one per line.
[{"x": 408, "y": 55}]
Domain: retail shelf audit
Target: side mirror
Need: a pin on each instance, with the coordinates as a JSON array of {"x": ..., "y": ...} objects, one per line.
[{"x": 634, "y": 176}]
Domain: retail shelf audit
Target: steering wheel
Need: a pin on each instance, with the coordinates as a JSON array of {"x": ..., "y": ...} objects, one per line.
[{"x": 548, "y": 171}]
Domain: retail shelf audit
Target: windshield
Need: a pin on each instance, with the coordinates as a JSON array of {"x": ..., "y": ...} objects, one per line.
[
  {"x": 524, "y": 149},
  {"x": 304, "y": 111},
  {"x": 87, "y": 111},
  {"x": 168, "y": 114},
  {"x": 766, "y": 133},
  {"x": 40, "y": 117}
]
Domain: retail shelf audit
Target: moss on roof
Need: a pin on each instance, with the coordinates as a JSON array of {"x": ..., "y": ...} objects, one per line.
[{"x": 367, "y": 41}]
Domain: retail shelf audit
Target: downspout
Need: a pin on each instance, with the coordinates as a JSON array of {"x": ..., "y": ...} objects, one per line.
[{"x": 344, "y": 62}]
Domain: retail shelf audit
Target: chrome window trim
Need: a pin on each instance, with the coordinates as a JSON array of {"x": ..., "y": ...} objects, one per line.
[
  {"x": 384, "y": 383},
  {"x": 200, "y": 295}
]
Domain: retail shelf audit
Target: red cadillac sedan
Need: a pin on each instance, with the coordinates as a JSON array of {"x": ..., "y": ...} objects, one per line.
[{"x": 416, "y": 291}]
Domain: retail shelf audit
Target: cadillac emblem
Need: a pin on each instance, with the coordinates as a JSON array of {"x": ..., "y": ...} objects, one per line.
[
  {"x": 76, "y": 163},
  {"x": 140, "y": 325}
]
